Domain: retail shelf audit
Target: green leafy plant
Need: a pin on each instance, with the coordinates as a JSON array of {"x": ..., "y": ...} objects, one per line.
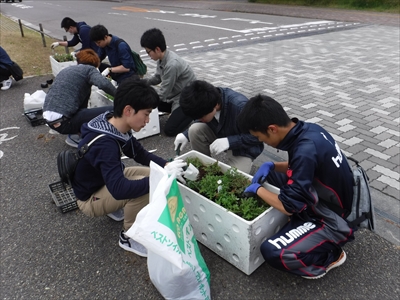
[
  {"x": 63, "y": 57},
  {"x": 109, "y": 97},
  {"x": 226, "y": 189}
]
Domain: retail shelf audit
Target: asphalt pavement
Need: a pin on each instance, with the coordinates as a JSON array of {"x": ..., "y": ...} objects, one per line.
[{"x": 49, "y": 255}]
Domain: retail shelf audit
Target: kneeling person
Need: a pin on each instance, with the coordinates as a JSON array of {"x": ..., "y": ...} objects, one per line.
[
  {"x": 101, "y": 181},
  {"x": 65, "y": 107},
  {"x": 215, "y": 129},
  {"x": 316, "y": 190}
]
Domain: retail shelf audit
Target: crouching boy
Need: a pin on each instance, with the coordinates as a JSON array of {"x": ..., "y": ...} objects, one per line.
[
  {"x": 314, "y": 182},
  {"x": 102, "y": 183}
]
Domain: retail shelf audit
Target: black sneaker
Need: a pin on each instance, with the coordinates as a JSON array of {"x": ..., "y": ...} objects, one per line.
[{"x": 128, "y": 244}]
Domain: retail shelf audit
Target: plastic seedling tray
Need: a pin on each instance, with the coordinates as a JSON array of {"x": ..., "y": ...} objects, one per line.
[
  {"x": 35, "y": 117},
  {"x": 63, "y": 196}
]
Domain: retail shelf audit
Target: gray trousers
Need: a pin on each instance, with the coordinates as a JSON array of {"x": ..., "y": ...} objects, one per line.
[{"x": 201, "y": 137}]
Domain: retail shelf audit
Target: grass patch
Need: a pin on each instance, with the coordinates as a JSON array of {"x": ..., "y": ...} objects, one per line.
[
  {"x": 389, "y": 6},
  {"x": 28, "y": 51}
]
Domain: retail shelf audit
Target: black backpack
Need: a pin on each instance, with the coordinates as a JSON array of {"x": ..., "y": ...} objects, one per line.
[
  {"x": 67, "y": 160},
  {"x": 141, "y": 68}
]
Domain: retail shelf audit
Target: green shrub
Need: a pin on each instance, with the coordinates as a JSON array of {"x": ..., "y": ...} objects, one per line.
[
  {"x": 226, "y": 189},
  {"x": 63, "y": 57}
]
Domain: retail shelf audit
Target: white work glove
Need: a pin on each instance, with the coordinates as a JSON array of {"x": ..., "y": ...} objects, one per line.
[
  {"x": 180, "y": 139},
  {"x": 176, "y": 168},
  {"x": 219, "y": 146},
  {"x": 105, "y": 72},
  {"x": 54, "y": 45}
]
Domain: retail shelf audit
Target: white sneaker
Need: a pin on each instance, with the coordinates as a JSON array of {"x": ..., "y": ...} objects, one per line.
[
  {"x": 6, "y": 84},
  {"x": 130, "y": 245},
  {"x": 52, "y": 131},
  {"x": 117, "y": 215}
]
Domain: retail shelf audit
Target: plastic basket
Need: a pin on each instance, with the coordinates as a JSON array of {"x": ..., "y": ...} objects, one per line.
[
  {"x": 35, "y": 117},
  {"x": 63, "y": 196}
]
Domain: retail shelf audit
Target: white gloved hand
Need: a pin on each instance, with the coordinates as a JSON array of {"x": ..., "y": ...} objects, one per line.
[
  {"x": 105, "y": 72},
  {"x": 54, "y": 45},
  {"x": 176, "y": 168},
  {"x": 180, "y": 139},
  {"x": 219, "y": 145}
]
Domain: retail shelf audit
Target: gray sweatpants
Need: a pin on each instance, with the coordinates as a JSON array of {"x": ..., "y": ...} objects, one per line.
[{"x": 201, "y": 137}]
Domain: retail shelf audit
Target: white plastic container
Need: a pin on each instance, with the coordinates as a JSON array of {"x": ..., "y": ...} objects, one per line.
[
  {"x": 98, "y": 98},
  {"x": 56, "y": 66},
  {"x": 235, "y": 239},
  {"x": 34, "y": 101},
  {"x": 152, "y": 128}
]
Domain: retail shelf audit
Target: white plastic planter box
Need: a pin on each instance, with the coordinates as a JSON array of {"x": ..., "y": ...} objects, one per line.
[
  {"x": 234, "y": 239},
  {"x": 98, "y": 98},
  {"x": 56, "y": 66},
  {"x": 152, "y": 128}
]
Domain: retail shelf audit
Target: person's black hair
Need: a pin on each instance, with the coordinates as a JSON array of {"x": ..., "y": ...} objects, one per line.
[
  {"x": 135, "y": 93},
  {"x": 199, "y": 98},
  {"x": 260, "y": 112},
  {"x": 98, "y": 33},
  {"x": 67, "y": 23},
  {"x": 152, "y": 39}
]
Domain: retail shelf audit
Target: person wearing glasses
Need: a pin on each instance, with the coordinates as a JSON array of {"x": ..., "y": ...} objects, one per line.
[
  {"x": 118, "y": 51},
  {"x": 173, "y": 73},
  {"x": 80, "y": 32}
]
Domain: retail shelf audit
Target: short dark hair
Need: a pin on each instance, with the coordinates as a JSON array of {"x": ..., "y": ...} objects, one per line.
[
  {"x": 152, "y": 39},
  {"x": 97, "y": 33},
  {"x": 260, "y": 112},
  {"x": 199, "y": 98},
  {"x": 67, "y": 23},
  {"x": 136, "y": 93}
]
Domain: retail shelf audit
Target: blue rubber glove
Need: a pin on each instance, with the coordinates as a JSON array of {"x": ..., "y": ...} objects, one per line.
[
  {"x": 252, "y": 188},
  {"x": 263, "y": 171}
]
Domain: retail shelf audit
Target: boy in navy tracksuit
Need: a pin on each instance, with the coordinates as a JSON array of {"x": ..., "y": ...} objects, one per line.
[{"x": 316, "y": 190}]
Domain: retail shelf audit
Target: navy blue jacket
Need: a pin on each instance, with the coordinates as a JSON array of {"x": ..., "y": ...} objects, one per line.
[
  {"x": 5, "y": 59},
  {"x": 317, "y": 170},
  {"x": 83, "y": 37},
  {"x": 241, "y": 144},
  {"x": 102, "y": 164},
  {"x": 118, "y": 54}
]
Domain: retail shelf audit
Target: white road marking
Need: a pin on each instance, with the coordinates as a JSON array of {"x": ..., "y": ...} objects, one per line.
[
  {"x": 246, "y": 20},
  {"x": 243, "y": 30}
]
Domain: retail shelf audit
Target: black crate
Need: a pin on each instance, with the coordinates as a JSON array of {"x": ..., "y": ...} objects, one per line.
[
  {"x": 63, "y": 196},
  {"x": 35, "y": 117}
]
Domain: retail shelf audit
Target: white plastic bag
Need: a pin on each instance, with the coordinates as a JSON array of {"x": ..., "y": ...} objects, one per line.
[
  {"x": 34, "y": 101},
  {"x": 174, "y": 261}
]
